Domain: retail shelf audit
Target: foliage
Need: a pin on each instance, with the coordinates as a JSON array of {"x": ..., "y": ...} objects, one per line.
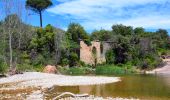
[
  {"x": 64, "y": 62},
  {"x": 39, "y": 68},
  {"x": 44, "y": 39},
  {"x": 102, "y": 35},
  {"x": 110, "y": 57},
  {"x": 24, "y": 67},
  {"x": 136, "y": 46},
  {"x": 39, "y": 60},
  {"x": 3, "y": 67},
  {"x": 41, "y": 46},
  {"x": 73, "y": 35},
  {"x": 38, "y": 6},
  {"x": 94, "y": 54},
  {"x": 73, "y": 59},
  {"x": 122, "y": 30},
  {"x": 112, "y": 70},
  {"x": 76, "y": 32},
  {"x": 76, "y": 71}
]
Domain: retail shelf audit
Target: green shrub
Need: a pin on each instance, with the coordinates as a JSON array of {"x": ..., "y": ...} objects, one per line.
[
  {"x": 25, "y": 58},
  {"x": 110, "y": 57},
  {"x": 64, "y": 62},
  {"x": 63, "y": 70},
  {"x": 39, "y": 60},
  {"x": 76, "y": 71},
  {"x": 3, "y": 67},
  {"x": 25, "y": 67},
  {"x": 73, "y": 59},
  {"x": 128, "y": 65},
  {"x": 90, "y": 70},
  {"x": 136, "y": 62},
  {"x": 39, "y": 68},
  {"x": 112, "y": 70}
]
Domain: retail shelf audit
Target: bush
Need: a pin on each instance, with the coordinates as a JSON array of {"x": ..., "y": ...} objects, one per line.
[
  {"x": 110, "y": 57},
  {"x": 39, "y": 60},
  {"x": 29, "y": 68},
  {"x": 3, "y": 67},
  {"x": 73, "y": 59},
  {"x": 24, "y": 68},
  {"x": 76, "y": 71},
  {"x": 39, "y": 68},
  {"x": 64, "y": 62},
  {"x": 63, "y": 70},
  {"x": 112, "y": 70}
]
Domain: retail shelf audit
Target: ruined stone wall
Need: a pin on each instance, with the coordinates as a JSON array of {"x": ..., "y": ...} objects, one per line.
[{"x": 86, "y": 54}]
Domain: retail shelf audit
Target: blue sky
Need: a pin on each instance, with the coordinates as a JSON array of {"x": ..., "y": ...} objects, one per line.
[{"x": 102, "y": 14}]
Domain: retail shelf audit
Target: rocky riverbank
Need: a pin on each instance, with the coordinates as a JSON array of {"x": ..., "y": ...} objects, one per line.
[
  {"x": 45, "y": 80},
  {"x": 31, "y": 85},
  {"x": 96, "y": 98}
]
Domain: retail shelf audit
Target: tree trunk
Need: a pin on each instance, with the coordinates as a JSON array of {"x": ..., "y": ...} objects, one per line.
[
  {"x": 10, "y": 48},
  {"x": 19, "y": 43},
  {"x": 40, "y": 19}
]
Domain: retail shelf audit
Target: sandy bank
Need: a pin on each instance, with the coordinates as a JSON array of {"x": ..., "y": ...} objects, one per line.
[
  {"x": 162, "y": 70},
  {"x": 45, "y": 80}
]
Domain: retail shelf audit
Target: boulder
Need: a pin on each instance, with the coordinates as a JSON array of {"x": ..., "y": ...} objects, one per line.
[{"x": 50, "y": 69}]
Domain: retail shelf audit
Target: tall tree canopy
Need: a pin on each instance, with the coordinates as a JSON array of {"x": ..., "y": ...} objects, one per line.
[
  {"x": 38, "y": 6},
  {"x": 102, "y": 35},
  {"x": 122, "y": 30},
  {"x": 75, "y": 32}
]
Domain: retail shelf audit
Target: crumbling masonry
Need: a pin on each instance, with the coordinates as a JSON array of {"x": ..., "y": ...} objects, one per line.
[{"x": 87, "y": 56}]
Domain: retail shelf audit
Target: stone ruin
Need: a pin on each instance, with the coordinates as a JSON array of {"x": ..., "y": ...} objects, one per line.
[{"x": 86, "y": 52}]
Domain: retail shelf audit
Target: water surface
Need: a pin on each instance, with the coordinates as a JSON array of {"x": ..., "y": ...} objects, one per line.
[{"x": 148, "y": 87}]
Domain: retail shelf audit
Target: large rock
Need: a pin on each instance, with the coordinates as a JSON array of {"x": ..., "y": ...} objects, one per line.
[{"x": 50, "y": 69}]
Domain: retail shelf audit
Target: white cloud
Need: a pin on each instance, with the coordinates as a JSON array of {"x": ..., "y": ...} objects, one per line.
[{"x": 96, "y": 14}]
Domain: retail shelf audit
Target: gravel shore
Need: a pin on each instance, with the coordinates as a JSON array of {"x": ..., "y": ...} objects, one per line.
[
  {"x": 35, "y": 82},
  {"x": 96, "y": 98},
  {"x": 45, "y": 80}
]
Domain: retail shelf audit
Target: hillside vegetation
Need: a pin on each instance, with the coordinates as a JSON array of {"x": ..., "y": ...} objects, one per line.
[{"x": 34, "y": 47}]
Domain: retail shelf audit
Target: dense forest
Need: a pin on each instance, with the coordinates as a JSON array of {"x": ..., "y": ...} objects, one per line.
[{"x": 27, "y": 48}]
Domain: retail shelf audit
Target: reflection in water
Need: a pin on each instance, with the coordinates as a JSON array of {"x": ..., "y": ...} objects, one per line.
[
  {"x": 166, "y": 79},
  {"x": 137, "y": 86}
]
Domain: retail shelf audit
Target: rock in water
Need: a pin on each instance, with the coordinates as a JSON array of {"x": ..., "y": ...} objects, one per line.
[{"x": 50, "y": 69}]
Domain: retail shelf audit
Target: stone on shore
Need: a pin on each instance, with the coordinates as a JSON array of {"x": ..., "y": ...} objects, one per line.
[{"x": 50, "y": 69}]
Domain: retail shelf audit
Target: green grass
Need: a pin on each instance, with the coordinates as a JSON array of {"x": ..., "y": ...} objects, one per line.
[
  {"x": 29, "y": 68},
  {"x": 76, "y": 70},
  {"x": 3, "y": 67},
  {"x": 112, "y": 70}
]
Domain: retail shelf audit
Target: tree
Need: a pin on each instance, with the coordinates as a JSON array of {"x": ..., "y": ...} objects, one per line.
[
  {"x": 73, "y": 35},
  {"x": 76, "y": 31},
  {"x": 110, "y": 56},
  {"x": 44, "y": 39},
  {"x": 122, "y": 30},
  {"x": 139, "y": 30},
  {"x": 161, "y": 39},
  {"x": 38, "y": 6},
  {"x": 102, "y": 35},
  {"x": 9, "y": 28}
]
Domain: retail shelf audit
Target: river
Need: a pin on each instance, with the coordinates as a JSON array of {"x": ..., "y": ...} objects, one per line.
[{"x": 147, "y": 87}]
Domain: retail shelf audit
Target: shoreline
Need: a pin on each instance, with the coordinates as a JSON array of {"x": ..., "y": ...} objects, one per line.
[
  {"x": 37, "y": 83},
  {"x": 45, "y": 80}
]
